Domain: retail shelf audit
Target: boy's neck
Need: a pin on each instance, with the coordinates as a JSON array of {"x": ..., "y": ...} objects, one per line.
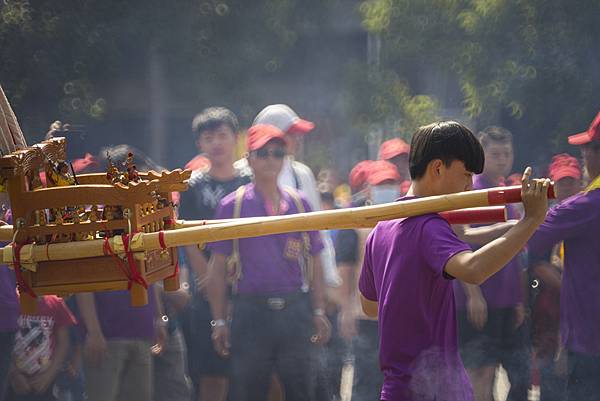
[
  {"x": 421, "y": 188},
  {"x": 221, "y": 171},
  {"x": 267, "y": 188}
]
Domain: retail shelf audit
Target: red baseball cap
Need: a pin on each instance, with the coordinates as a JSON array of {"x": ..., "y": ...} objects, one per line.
[
  {"x": 359, "y": 173},
  {"x": 564, "y": 165},
  {"x": 514, "y": 179},
  {"x": 392, "y": 148},
  {"x": 380, "y": 171},
  {"x": 283, "y": 117},
  {"x": 593, "y": 133},
  {"x": 260, "y": 134}
]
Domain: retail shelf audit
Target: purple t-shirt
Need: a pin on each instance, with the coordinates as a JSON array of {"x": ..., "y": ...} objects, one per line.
[
  {"x": 503, "y": 289},
  {"x": 119, "y": 320},
  {"x": 403, "y": 270},
  {"x": 576, "y": 221},
  {"x": 271, "y": 263},
  {"x": 9, "y": 304}
]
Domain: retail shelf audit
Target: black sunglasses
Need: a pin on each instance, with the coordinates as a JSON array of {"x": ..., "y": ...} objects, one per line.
[{"x": 263, "y": 153}]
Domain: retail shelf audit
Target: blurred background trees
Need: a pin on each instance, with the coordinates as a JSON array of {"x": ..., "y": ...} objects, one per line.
[{"x": 137, "y": 71}]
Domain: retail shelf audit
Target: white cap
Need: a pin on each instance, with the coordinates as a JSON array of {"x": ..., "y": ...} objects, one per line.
[{"x": 283, "y": 117}]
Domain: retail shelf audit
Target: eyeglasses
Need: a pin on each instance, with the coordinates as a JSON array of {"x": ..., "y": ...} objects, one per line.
[{"x": 263, "y": 153}]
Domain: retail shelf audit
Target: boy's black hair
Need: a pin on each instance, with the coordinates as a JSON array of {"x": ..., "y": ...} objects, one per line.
[
  {"x": 212, "y": 118},
  {"x": 447, "y": 141},
  {"x": 495, "y": 134}
]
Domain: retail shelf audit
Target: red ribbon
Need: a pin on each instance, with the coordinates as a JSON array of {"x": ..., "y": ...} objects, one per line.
[
  {"x": 23, "y": 286},
  {"x": 163, "y": 245},
  {"x": 135, "y": 274},
  {"x": 108, "y": 251}
]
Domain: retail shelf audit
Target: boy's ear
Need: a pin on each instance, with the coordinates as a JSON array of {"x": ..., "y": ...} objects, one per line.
[{"x": 436, "y": 167}]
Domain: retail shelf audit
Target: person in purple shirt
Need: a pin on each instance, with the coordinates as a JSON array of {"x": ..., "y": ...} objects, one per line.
[
  {"x": 491, "y": 316},
  {"x": 274, "y": 317},
  {"x": 409, "y": 264},
  {"x": 576, "y": 222},
  {"x": 9, "y": 313}
]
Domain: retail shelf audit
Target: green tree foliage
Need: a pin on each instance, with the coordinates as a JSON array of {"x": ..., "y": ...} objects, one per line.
[
  {"x": 62, "y": 58},
  {"x": 531, "y": 65}
]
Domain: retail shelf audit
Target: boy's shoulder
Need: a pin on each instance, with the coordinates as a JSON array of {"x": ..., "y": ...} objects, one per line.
[
  {"x": 402, "y": 225},
  {"x": 198, "y": 177},
  {"x": 231, "y": 198}
]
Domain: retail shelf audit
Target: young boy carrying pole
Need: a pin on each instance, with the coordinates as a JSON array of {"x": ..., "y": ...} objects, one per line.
[{"x": 409, "y": 265}]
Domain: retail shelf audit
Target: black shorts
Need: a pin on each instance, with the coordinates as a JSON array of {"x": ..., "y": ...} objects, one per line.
[
  {"x": 203, "y": 359},
  {"x": 492, "y": 344}
]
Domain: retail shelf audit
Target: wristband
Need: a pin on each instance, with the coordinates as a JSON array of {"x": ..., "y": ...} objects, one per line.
[
  {"x": 218, "y": 323},
  {"x": 319, "y": 312}
]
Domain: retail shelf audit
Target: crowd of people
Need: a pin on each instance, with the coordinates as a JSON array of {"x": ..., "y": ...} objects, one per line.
[{"x": 419, "y": 309}]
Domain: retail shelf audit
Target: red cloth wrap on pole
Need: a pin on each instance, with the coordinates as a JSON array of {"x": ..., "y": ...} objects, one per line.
[
  {"x": 512, "y": 195},
  {"x": 483, "y": 215}
]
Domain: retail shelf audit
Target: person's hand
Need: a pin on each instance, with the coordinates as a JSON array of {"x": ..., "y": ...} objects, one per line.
[
  {"x": 220, "y": 338},
  {"x": 534, "y": 193},
  {"x": 477, "y": 311},
  {"x": 94, "y": 348},
  {"x": 41, "y": 381},
  {"x": 322, "y": 330},
  {"x": 19, "y": 383},
  {"x": 347, "y": 324},
  {"x": 520, "y": 315},
  {"x": 561, "y": 362},
  {"x": 161, "y": 340}
]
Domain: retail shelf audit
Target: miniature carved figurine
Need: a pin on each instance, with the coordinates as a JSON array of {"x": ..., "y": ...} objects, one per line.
[
  {"x": 113, "y": 175},
  {"x": 92, "y": 216},
  {"x": 79, "y": 236},
  {"x": 108, "y": 215},
  {"x": 34, "y": 181},
  {"x": 41, "y": 220},
  {"x": 132, "y": 173},
  {"x": 59, "y": 221},
  {"x": 59, "y": 175}
]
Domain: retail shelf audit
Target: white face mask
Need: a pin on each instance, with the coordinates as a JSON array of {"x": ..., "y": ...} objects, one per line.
[{"x": 384, "y": 194}]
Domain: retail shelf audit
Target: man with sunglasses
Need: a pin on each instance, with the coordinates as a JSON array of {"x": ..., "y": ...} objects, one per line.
[
  {"x": 576, "y": 222},
  {"x": 278, "y": 301}
]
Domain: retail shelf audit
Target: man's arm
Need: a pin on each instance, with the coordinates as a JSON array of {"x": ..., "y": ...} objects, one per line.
[
  {"x": 322, "y": 325},
  {"x": 95, "y": 343},
  {"x": 368, "y": 306},
  {"x": 347, "y": 294},
  {"x": 549, "y": 274},
  {"x": 482, "y": 235},
  {"x": 198, "y": 264},
  {"x": 476, "y": 305},
  {"x": 217, "y": 297},
  {"x": 476, "y": 267}
]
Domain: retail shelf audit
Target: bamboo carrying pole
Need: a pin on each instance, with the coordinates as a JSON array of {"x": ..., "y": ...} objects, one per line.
[
  {"x": 476, "y": 215},
  {"x": 366, "y": 216}
]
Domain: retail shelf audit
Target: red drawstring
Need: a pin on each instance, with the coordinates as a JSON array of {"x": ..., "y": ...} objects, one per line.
[
  {"x": 108, "y": 251},
  {"x": 23, "y": 286},
  {"x": 135, "y": 274},
  {"x": 163, "y": 245}
]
